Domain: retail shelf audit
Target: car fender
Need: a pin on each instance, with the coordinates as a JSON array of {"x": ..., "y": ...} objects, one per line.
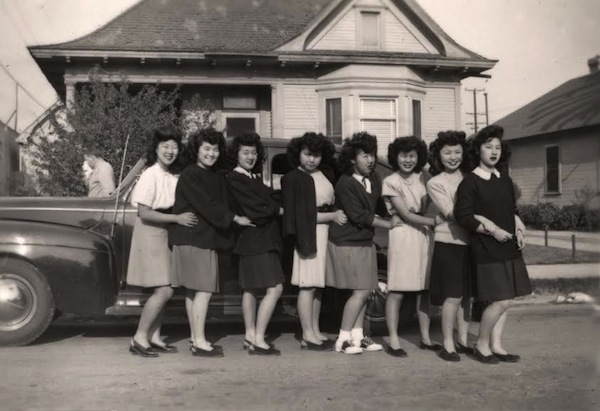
[{"x": 78, "y": 264}]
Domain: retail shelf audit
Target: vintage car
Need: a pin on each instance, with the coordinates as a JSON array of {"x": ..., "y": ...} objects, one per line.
[{"x": 69, "y": 255}]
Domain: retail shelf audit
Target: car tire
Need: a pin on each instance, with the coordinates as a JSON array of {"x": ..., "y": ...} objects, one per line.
[{"x": 26, "y": 303}]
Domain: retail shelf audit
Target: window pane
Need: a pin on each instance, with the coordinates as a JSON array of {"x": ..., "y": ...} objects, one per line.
[
  {"x": 384, "y": 130},
  {"x": 239, "y": 102},
  {"x": 334, "y": 118},
  {"x": 378, "y": 108},
  {"x": 552, "y": 170},
  {"x": 240, "y": 125},
  {"x": 416, "y": 112},
  {"x": 370, "y": 29}
]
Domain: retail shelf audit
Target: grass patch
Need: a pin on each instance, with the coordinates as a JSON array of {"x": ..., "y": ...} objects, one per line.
[{"x": 539, "y": 254}]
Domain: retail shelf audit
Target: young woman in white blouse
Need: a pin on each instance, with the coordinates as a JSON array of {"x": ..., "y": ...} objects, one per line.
[{"x": 150, "y": 257}]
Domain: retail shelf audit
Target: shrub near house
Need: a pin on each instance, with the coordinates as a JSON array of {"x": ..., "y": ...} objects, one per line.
[{"x": 577, "y": 217}]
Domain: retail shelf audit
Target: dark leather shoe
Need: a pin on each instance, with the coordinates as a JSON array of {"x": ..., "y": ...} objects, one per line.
[
  {"x": 485, "y": 359},
  {"x": 307, "y": 345},
  {"x": 448, "y": 356},
  {"x": 214, "y": 353},
  {"x": 256, "y": 350},
  {"x": 166, "y": 349},
  {"x": 463, "y": 349},
  {"x": 507, "y": 357},
  {"x": 138, "y": 349},
  {"x": 400, "y": 353},
  {"x": 432, "y": 347}
]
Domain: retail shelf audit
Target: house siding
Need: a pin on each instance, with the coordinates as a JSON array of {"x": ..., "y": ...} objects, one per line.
[
  {"x": 342, "y": 36},
  {"x": 300, "y": 105},
  {"x": 579, "y": 159},
  {"x": 439, "y": 111},
  {"x": 398, "y": 38}
]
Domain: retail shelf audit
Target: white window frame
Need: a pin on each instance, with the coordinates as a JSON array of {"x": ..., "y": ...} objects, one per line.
[
  {"x": 224, "y": 115},
  {"x": 546, "y": 191},
  {"x": 326, "y": 99},
  {"x": 360, "y": 28},
  {"x": 391, "y": 117}
]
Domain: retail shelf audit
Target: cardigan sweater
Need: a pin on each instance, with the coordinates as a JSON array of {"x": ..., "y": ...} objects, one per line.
[
  {"x": 495, "y": 200},
  {"x": 360, "y": 208},
  {"x": 203, "y": 192},
  {"x": 442, "y": 191},
  {"x": 255, "y": 200}
]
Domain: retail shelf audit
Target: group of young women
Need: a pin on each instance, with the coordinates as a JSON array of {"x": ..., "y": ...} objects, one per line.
[{"x": 188, "y": 213}]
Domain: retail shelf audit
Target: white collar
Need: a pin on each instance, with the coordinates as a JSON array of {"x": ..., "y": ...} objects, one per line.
[
  {"x": 244, "y": 172},
  {"x": 486, "y": 175},
  {"x": 364, "y": 181}
]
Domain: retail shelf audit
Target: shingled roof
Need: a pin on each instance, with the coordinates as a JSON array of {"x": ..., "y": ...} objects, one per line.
[{"x": 572, "y": 105}]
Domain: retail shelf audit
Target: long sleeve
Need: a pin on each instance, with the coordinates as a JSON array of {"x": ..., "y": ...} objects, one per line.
[
  {"x": 253, "y": 199},
  {"x": 300, "y": 210},
  {"x": 464, "y": 211},
  {"x": 441, "y": 198},
  {"x": 349, "y": 198}
]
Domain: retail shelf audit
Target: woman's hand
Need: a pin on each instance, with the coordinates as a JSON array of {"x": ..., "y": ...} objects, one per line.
[
  {"x": 501, "y": 235},
  {"x": 520, "y": 239},
  {"x": 339, "y": 217},
  {"x": 188, "y": 219},
  {"x": 243, "y": 221}
]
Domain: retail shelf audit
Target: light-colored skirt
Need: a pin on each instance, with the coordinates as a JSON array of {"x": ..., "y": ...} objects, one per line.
[
  {"x": 351, "y": 268},
  {"x": 150, "y": 257},
  {"x": 409, "y": 258},
  {"x": 195, "y": 268},
  {"x": 310, "y": 272}
]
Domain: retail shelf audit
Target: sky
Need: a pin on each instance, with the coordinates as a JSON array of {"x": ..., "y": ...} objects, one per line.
[{"x": 540, "y": 44}]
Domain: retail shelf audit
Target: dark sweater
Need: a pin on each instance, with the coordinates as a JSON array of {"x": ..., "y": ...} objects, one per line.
[
  {"x": 495, "y": 200},
  {"x": 360, "y": 208},
  {"x": 204, "y": 193},
  {"x": 255, "y": 200}
]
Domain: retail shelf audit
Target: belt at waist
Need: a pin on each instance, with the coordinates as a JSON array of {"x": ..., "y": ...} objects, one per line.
[{"x": 327, "y": 208}]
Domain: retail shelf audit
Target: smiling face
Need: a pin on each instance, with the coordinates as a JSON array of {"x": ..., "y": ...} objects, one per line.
[
  {"x": 208, "y": 154},
  {"x": 309, "y": 161},
  {"x": 363, "y": 163},
  {"x": 451, "y": 157},
  {"x": 407, "y": 161},
  {"x": 489, "y": 153},
  {"x": 247, "y": 156},
  {"x": 167, "y": 152}
]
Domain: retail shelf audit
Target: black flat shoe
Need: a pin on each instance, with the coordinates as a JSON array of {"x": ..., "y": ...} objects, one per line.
[
  {"x": 199, "y": 352},
  {"x": 432, "y": 347},
  {"x": 247, "y": 344},
  {"x": 138, "y": 349},
  {"x": 485, "y": 359},
  {"x": 256, "y": 350},
  {"x": 307, "y": 345},
  {"x": 463, "y": 349},
  {"x": 448, "y": 356},
  {"x": 166, "y": 349},
  {"x": 507, "y": 357},
  {"x": 400, "y": 353}
]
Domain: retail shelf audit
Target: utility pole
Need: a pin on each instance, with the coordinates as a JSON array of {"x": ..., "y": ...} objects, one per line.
[
  {"x": 475, "y": 113},
  {"x": 487, "y": 117}
]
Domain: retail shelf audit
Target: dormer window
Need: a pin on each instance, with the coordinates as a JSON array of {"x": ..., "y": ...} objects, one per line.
[{"x": 370, "y": 30}]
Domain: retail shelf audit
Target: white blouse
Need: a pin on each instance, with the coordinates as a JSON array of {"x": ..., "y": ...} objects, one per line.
[{"x": 155, "y": 188}]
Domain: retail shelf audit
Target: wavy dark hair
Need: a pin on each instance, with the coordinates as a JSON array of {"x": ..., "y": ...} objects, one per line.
[
  {"x": 315, "y": 143},
  {"x": 483, "y": 136},
  {"x": 359, "y": 141},
  {"x": 447, "y": 138},
  {"x": 159, "y": 135},
  {"x": 249, "y": 140},
  {"x": 404, "y": 145},
  {"x": 195, "y": 140}
]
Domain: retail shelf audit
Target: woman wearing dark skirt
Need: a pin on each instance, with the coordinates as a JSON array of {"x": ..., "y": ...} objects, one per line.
[
  {"x": 501, "y": 274},
  {"x": 259, "y": 246}
]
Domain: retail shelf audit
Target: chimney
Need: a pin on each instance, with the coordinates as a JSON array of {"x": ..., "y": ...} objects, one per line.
[{"x": 593, "y": 64}]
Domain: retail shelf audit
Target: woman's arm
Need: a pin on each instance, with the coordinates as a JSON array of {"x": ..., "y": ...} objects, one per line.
[
  {"x": 338, "y": 217},
  {"x": 149, "y": 215},
  {"x": 408, "y": 216}
]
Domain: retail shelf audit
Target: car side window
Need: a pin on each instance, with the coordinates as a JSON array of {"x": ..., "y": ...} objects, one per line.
[{"x": 280, "y": 165}]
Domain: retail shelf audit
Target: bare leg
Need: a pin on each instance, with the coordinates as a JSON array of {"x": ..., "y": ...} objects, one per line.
[
  {"x": 249, "y": 312},
  {"x": 497, "y": 335},
  {"x": 151, "y": 311},
  {"x": 189, "y": 308},
  {"x": 155, "y": 337},
  {"x": 490, "y": 317},
  {"x": 360, "y": 320},
  {"x": 199, "y": 312},
  {"x": 265, "y": 311},
  {"x": 423, "y": 317},
  {"x": 462, "y": 325},
  {"x": 392, "y": 314},
  {"x": 353, "y": 308},
  {"x": 449, "y": 317},
  {"x": 316, "y": 312},
  {"x": 305, "y": 312}
]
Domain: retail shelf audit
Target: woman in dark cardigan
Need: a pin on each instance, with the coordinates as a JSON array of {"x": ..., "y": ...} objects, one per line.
[
  {"x": 258, "y": 247},
  {"x": 201, "y": 190},
  {"x": 501, "y": 274}
]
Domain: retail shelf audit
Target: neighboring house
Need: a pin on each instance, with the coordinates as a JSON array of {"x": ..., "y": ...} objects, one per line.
[
  {"x": 9, "y": 160},
  {"x": 283, "y": 67},
  {"x": 555, "y": 142}
]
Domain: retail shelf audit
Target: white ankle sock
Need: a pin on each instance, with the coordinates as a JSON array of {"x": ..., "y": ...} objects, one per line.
[
  {"x": 357, "y": 334},
  {"x": 344, "y": 335}
]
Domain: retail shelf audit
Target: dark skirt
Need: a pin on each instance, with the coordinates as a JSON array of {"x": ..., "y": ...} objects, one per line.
[
  {"x": 351, "y": 267},
  {"x": 450, "y": 272},
  {"x": 502, "y": 280},
  {"x": 260, "y": 271},
  {"x": 195, "y": 268}
]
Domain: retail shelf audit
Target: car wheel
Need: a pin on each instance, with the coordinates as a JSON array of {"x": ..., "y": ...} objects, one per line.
[{"x": 26, "y": 303}]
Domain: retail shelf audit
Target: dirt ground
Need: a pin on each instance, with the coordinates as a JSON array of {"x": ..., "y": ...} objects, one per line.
[{"x": 87, "y": 367}]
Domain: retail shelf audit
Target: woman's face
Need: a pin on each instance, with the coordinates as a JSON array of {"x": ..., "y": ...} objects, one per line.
[
  {"x": 167, "y": 152},
  {"x": 309, "y": 161},
  {"x": 247, "y": 156},
  {"x": 490, "y": 152},
  {"x": 363, "y": 163},
  {"x": 407, "y": 161},
  {"x": 451, "y": 157},
  {"x": 208, "y": 154}
]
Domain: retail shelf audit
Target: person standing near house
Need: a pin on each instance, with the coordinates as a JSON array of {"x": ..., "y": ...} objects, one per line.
[
  {"x": 308, "y": 209},
  {"x": 351, "y": 254},
  {"x": 501, "y": 274},
  {"x": 101, "y": 181},
  {"x": 258, "y": 247}
]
